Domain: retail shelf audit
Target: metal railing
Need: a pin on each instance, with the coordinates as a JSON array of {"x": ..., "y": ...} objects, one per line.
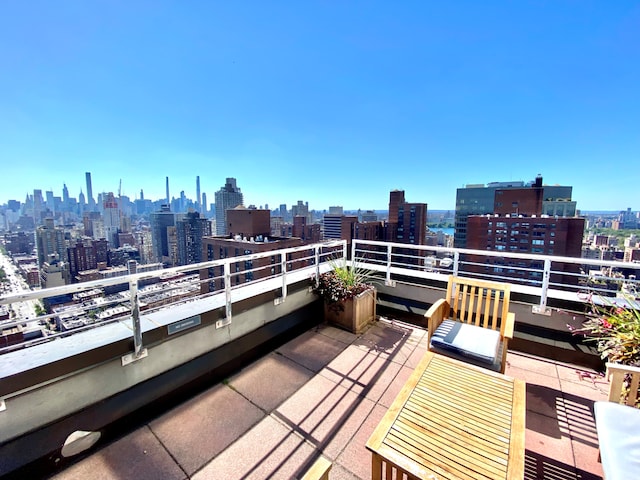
[
  {"x": 543, "y": 276},
  {"x": 235, "y": 278},
  {"x": 228, "y": 278}
]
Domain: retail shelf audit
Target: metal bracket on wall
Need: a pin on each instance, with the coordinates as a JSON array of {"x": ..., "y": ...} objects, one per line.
[
  {"x": 223, "y": 322},
  {"x": 131, "y": 357},
  {"x": 390, "y": 283},
  {"x": 278, "y": 301},
  {"x": 538, "y": 310}
]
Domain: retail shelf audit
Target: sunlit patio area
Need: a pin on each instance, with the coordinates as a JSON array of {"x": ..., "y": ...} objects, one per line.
[{"x": 323, "y": 393}]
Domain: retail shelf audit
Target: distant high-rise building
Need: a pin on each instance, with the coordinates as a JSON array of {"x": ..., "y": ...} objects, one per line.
[
  {"x": 167, "y": 188},
  {"x": 111, "y": 215},
  {"x": 301, "y": 209},
  {"x": 38, "y": 206},
  {"x": 82, "y": 203},
  {"x": 65, "y": 197},
  {"x": 160, "y": 222},
  {"x": 81, "y": 257},
  {"x": 228, "y": 197},
  {"x": 338, "y": 227},
  {"x": 543, "y": 235},
  {"x": 407, "y": 221},
  {"x": 249, "y": 234},
  {"x": 204, "y": 204},
  {"x": 248, "y": 223},
  {"x": 90, "y": 200},
  {"x": 198, "y": 197},
  {"x": 396, "y": 198},
  {"x": 514, "y": 198},
  {"x": 283, "y": 211},
  {"x": 51, "y": 203},
  {"x": 50, "y": 242},
  {"x": 190, "y": 231}
]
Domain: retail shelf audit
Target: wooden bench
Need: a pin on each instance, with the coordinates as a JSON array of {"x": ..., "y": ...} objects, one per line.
[{"x": 473, "y": 322}]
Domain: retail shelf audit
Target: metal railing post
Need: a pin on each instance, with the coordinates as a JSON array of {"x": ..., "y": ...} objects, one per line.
[
  {"x": 283, "y": 259},
  {"x": 139, "y": 352},
  {"x": 317, "y": 257},
  {"x": 135, "y": 316},
  {"x": 456, "y": 263},
  {"x": 227, "y": 291},
  {"x": 542, "y": 309},
  {"x": 387, "y": 279}
]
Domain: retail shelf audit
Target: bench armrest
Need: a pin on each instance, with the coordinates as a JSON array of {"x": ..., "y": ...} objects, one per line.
[
  {"x": 436, "y": 313},
  {"x": 509, "y": 325}
]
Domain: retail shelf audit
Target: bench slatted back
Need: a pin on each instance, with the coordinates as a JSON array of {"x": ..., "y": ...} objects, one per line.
[{"x": 478, "y": 302}]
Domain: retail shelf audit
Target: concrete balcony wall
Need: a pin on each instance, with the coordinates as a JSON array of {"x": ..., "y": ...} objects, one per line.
[{"x": 38, "y": 418}]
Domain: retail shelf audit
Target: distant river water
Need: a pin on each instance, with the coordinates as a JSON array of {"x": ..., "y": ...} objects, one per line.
[{"x": 447, "y": 231}]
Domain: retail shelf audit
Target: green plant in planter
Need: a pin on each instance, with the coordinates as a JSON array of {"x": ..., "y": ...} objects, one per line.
[
  {"x": 342, "y": 282},
  {"x": 615, "y": 330},
  {"x": 349, "y": 296}
]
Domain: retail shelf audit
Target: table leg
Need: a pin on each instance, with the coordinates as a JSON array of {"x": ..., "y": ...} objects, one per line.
[{"x": 376, "y": 467}]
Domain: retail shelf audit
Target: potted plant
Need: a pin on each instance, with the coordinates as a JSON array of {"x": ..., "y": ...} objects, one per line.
[
  {"x": 349, "y": 297},
  {"x": 615, "y": 329}
]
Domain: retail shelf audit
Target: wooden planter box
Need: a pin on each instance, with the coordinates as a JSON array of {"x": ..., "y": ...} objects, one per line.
[{"x": 353, "y": 314}]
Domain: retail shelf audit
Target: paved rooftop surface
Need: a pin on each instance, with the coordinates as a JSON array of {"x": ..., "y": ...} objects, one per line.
[{"x": 323, "y": 393}]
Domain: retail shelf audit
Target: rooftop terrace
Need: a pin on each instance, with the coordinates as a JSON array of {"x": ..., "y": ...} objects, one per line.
[
  {"x": 246, "y": 382},
  {"x": 323, "y": 393}
]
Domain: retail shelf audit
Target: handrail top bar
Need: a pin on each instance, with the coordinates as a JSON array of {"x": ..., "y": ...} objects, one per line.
[
  {"x": 505, "y": 254},
  {"x": 107, "y": 282}
]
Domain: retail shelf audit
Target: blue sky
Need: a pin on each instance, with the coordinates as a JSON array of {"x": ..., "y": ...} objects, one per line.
[{"x": 330, "y": 102}]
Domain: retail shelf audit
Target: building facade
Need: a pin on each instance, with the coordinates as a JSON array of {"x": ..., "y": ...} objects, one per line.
[
  {"x": 543, "y": 235},
  {"x": 160, "y": 222},
  {"x": 228, "y": 197},
  {"x": 190, "y": 231},
  {"x": 514, "y": 198}
]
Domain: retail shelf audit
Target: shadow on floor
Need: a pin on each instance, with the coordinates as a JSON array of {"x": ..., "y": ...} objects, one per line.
[{"x": 539, "y": 467}]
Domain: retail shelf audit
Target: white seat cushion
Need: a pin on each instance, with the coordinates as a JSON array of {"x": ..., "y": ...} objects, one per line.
[{"x": 471, "y": 343}]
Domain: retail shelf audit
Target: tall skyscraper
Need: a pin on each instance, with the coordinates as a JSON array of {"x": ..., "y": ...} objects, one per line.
[
  {"x": 190, "y": 231},
  {"x": 229, "y": 196},
  {"x": 82, "y": 203},
  {"x": 111, "y": 215},
  {"x": 204, "y": 204},
  {"x": 160, "y": 222},
  {"x": 90, "y": 201},
  {"x": 167, "y": 188},
  {"x": 65, "y": 197},
  {"x": 38, "y": 206},
  {"x": 198, "y": 197}
]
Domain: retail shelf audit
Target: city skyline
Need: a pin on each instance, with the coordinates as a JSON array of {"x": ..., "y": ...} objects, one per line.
[{"x": 326, "y": 103}]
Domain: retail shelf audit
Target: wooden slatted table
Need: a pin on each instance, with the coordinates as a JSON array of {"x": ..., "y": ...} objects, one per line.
[{"x": 452, "y": 420}]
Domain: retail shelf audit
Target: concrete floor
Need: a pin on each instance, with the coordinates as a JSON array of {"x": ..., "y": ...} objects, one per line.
[{"x": 323, "y": 393}]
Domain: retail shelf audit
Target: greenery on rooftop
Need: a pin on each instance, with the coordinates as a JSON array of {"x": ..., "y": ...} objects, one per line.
[{"x": 619, "y": 234}]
